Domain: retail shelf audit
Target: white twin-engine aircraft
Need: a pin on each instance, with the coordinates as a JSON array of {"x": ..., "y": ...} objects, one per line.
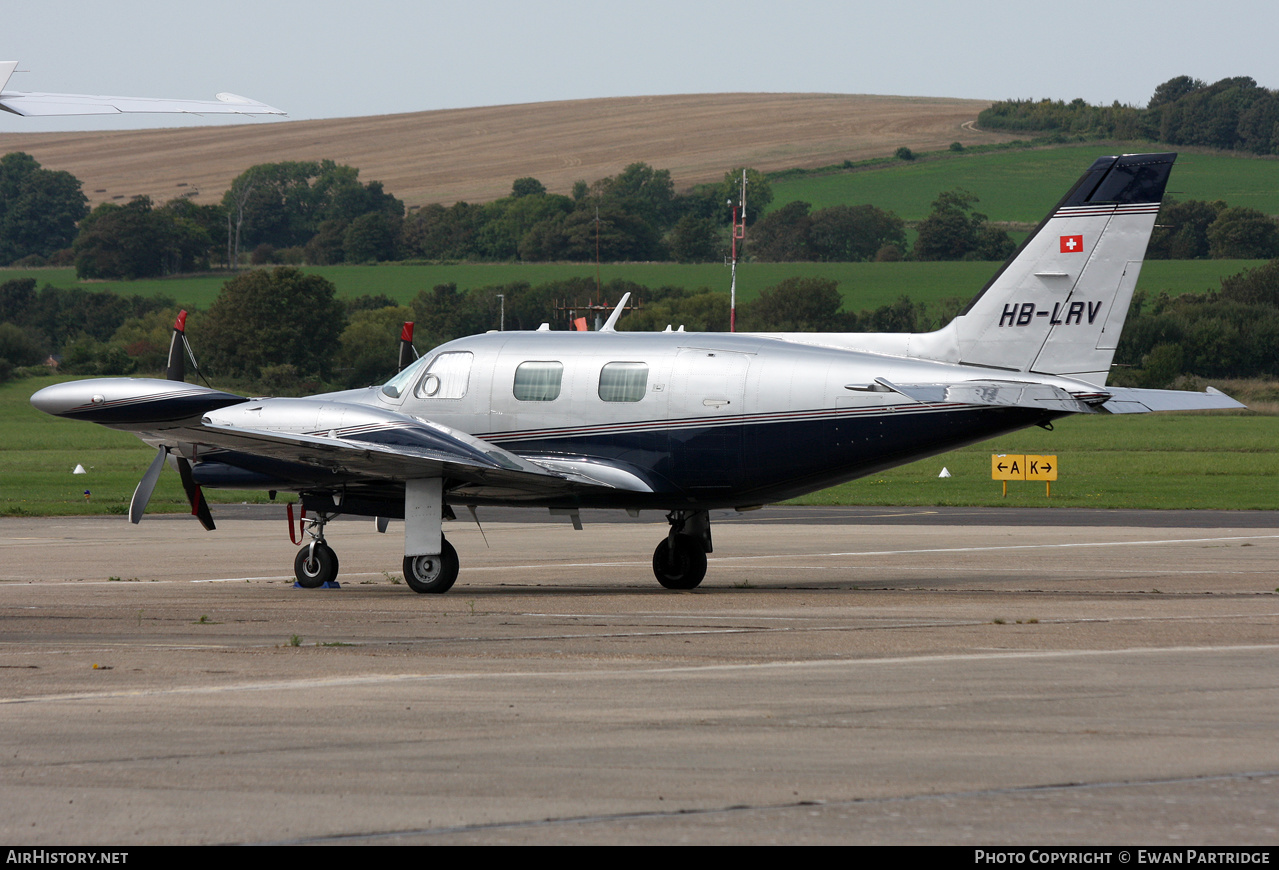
[
  {"x": 671, "y": 421},
  {"x": 23, "y": 103}
]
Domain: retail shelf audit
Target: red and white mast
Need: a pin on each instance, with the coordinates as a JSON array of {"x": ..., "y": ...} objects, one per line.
[{"x": 738, "y": 231}]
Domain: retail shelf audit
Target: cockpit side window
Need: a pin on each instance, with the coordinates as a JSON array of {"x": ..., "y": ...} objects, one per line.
[
  {"x": 623, "y": 381},
  {"x": 538, "y": 381},
  {"x": 447, "y": 377}
]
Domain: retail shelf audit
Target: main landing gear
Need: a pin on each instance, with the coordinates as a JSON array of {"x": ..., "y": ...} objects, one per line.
[
  {"x": 679, "y": 562},
  {"x": 432, "y": 574}
]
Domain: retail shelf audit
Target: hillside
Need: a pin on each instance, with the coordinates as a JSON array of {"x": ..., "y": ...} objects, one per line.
[{"x": 474, "y": 154}]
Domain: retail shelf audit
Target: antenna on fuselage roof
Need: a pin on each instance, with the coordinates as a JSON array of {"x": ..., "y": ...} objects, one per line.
[{"x": 617, "y": 312}]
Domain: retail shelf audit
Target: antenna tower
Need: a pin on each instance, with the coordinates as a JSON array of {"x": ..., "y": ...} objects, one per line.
[{"x": 737, "y": 232}]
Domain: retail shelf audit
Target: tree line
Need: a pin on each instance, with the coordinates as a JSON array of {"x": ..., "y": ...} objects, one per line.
[
  {"x": 1233, "y": 114},
  {"x": 320, "y": 213},
  {"x": 282, "y": 331},
  {"x": 1198, "y": 230},
  {"x": 1230, "y": 332}
]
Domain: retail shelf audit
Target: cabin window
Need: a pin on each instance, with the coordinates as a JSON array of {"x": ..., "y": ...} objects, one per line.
[
  {"x": 447, "y": 377},
  {"x": 623, "y": 381},
  {"x": 538, "y": 381}
]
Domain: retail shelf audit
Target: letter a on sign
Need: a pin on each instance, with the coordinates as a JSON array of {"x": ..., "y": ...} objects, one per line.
[{"x": 1072, "y": 244}]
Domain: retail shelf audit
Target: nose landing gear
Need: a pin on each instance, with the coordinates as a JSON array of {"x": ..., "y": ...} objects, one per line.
[{"x": 316, "y": 563}]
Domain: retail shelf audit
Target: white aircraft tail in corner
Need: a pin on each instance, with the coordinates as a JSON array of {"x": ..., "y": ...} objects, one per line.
[
  {"x": 1058, "y": 305},
  {"x": 1056, "y": 308},
  {"x": 23, "y": 103}
]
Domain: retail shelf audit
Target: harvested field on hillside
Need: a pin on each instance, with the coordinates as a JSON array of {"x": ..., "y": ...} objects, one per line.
[{"x": 475, "y": 154}]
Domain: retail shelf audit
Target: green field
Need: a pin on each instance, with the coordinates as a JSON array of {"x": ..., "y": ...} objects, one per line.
[
  {"x": 39, "y": 452},
  {"x": 1225, "y": 461},
  {"x": 864, "y": 285},
  {"x": 1021, "y": 186}
]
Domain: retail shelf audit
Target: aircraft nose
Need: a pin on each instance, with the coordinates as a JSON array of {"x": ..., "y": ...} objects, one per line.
[{"x": 58, "y": 399}]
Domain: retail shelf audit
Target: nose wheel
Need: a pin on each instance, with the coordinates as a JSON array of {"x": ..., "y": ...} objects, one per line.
[
  {"x": 679, "y": 563},
  {"x": 315, "y": 564}
]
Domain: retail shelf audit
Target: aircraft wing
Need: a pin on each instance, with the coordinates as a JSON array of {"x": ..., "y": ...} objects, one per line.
[
  {"x": 87, "y": 104},
  {"x": 1129, "y": 400},
  {"x": 364, "y": 443},
  {"x": 23, "y": 103}
]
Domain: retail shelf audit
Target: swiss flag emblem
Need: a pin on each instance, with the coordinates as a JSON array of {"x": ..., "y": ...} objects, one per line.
[{"x": 1072, "y": 244}]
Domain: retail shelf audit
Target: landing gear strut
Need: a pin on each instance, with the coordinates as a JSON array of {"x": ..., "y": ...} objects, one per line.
[
  {"x": 679, "y": 562},
  {"x": 316, "y": 563}
]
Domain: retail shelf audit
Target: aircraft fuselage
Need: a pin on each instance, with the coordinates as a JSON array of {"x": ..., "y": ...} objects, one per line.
[{"x": 705, "y": 419}]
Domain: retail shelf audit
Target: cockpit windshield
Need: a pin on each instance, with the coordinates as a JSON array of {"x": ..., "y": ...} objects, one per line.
[{"x": 399, "y": 385}]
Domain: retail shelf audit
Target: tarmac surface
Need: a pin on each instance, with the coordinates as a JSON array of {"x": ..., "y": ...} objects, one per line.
[{"x": 865, "y": 675}]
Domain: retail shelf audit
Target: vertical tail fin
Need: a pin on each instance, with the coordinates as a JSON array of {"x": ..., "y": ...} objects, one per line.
[
  {"x": 1058, "y": 305},
  {"x": 6, "y": 71}
]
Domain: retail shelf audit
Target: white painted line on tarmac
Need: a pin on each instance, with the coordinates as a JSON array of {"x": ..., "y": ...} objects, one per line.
[
  {"x": 311, "y": 683},
  {"x": 1006, "y": 547}
]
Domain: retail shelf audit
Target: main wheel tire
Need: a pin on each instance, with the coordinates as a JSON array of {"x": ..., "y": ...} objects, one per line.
[
  {"x": 432, "y": 574},
  {"x": 682, "y": 567},
  {"x": 315, "y": 566}
]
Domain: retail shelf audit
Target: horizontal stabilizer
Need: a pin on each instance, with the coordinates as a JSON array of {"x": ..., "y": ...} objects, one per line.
[
  {"x": 1008, "y": 393},
  {"x": 1128, "y": 400}
]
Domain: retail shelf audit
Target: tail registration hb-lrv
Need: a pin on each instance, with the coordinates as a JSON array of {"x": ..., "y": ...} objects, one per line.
[{"x": 676, "y": 422}]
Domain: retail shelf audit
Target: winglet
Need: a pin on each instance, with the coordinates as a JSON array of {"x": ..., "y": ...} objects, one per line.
[
  {"x": 6, "y": 70},
  {"x": 257, "y": 107},
  {"x": 617, "y": 312}
]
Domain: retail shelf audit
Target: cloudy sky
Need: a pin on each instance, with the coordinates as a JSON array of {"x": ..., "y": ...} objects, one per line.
[{"x": 324, "y": 58}]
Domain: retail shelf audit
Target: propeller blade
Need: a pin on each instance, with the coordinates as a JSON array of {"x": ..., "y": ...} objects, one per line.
[
  {"x": 199, "y": 507},
  {"x": 408, "y": 352},
  {"x": 176, "y": 370},
  {"x": 146, "y": 486}
]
